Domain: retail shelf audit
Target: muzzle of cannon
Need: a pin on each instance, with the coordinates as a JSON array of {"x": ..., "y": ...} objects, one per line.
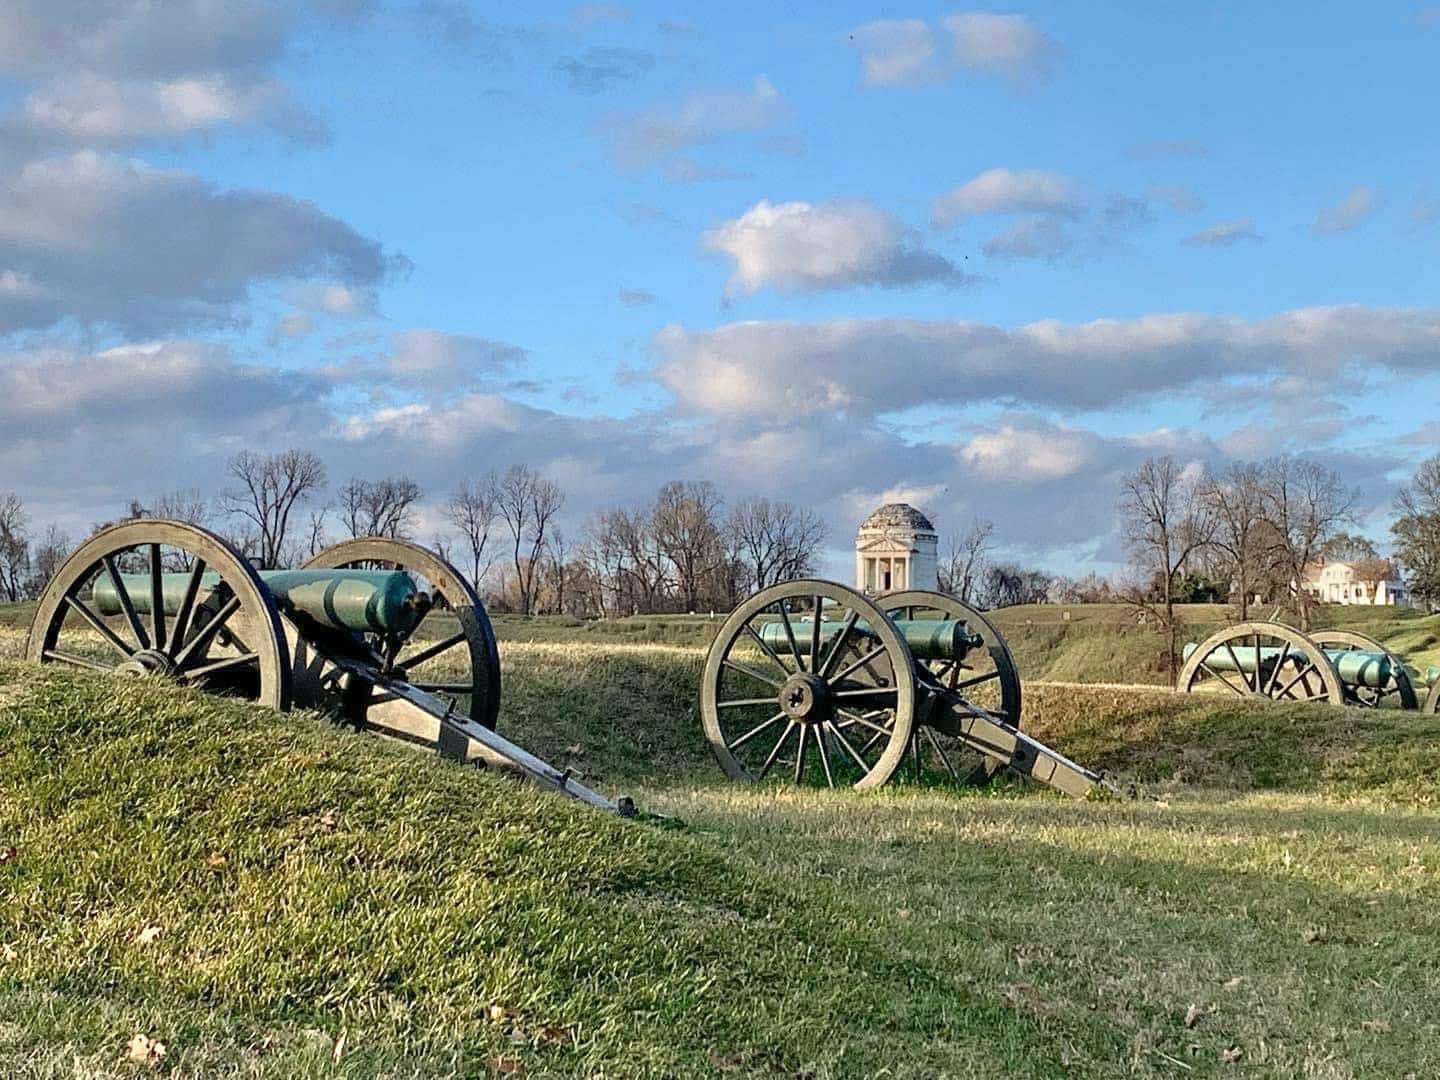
[
  {"x": 815, "y": 680},
  {"x": 1275, "y": 661},
  {"x": 379, "y": 632}
]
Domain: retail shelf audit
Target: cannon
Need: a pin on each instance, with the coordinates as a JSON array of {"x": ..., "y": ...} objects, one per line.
[
  {"x": 1275, "y": 661},
  {"x": 379, "y": 632},
  {"x": 812, "y": 680}
]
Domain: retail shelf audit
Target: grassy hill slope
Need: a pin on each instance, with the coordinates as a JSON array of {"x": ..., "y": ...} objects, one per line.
[{"x": 269, "y": 895}]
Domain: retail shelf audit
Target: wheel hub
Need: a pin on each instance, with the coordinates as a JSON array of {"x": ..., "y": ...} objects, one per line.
[
  {"x": 148, "y": 662},
  {"x": 805, "y": 698}
]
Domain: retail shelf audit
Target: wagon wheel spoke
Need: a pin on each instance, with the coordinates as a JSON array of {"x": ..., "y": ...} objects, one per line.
[
  {"x": 229, "y": 663},
  {"x": 824, "y": 758},
  {"x": 76, "y": 661},
  {"x": 738, "y": 703},
  {"x": 183, "y": 614},
  {"x": 196, "y": 646},
  {"x": 989, "y": 676},
  {"x": 126, "y": 605},
  {"x": 767, "y": 650},
  {"x": 750, "y": 672},
  {"x": 815, "y": 633},
  {"x": 1275, "y": 674},
  {"x": 157, "y": 598},
  {"x": 800, "y": 754},
  {"x": 864, "y": 662},
  {"x": 790, "y": 637},
  {"x": 1303, "y": 672},
  {"x": 855, "y": 755},
  {"x": 433, "y": 651},
  {"x": 1234, "y": 689},
  {"x": 839, "y": 645},
  {"x": 1239, "y": 668},
  {"x": 775, "y": 751},
  {"x": 445, "y": 687},
  {"x": 944, "y": 757},
  {"x": 98, "y": 624},
  {"x": 743, "y": 739},
  {"x": 869, "y": 691}
]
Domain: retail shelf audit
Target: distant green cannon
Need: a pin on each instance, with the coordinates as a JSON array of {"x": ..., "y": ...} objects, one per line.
[
  {"x": 1342, "y": 667},
  {"x": 347, "y": 634},
  {"x": 815, "y": 680}
]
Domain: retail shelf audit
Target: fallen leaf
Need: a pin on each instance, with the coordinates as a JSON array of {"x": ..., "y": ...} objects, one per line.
[
  {"x": 726, "y": 1061},
  {"x": 1161, "y": 804},
  {"x": 1379, "y": 1026},
  {"x": 497, "y": 1013},
  {"x": 146, "y": 936},
  {"x": 575, "y": 750},
  {"x": 554, "y": 1035},
  {"x": 327, "y": 820},
  {"x": 215, "y": 858},
  {"x": 1316, "y": 935},
  {"x": 144, "y": 1050},
  {"x": 8, "y": 953},
  {"x": 1231, "y": 1054},
  {"x": 262, "y": 1047},
  {"x": 506, "y": 1066},
  {"x": 1193, "y": 1015},
  {"x": 1231, "y": 984},
  {"x": 8, "y": 855},
  {"x": 904, "y": 913}
]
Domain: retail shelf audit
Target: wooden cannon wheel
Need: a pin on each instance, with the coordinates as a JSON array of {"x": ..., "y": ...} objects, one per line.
[
  {"x": 225, "y": 636},
  {"x": 472, "y": 647},
  {"x": 849, "y": 703},
  {"x": 1400, "y": 688},
  {"x": 1298, "y": 671},
  {"x": 1432, "y": 699},
  {"x": 986, "y": 677}
]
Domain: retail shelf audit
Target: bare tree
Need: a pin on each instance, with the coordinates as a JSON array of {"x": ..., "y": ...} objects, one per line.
[
  {"x": 379, "y": 507},
  {"x": 964, "y": 561},
  {"x": 184, "y": 504},
  {"x": 472, "y": 509},
  {"x": 528, "y": 502},
  {"x": 1166, "y": 521},
  {"x": 687, "y": 531},
  {"x": 1235, "y": 500},
  {"x": 50, "y": 554},
  {"x": 1005, "y": 585},
  {"x": 777, "y": 540},
  {"x": 557, "y": 568},
  {"x": 1350, "y": 548},
  {"x": 1306, "y": 503},
  {"x": 315, "y": 530},
  {"x": 14, "y": 546},
  {"x": 1417, "y": 532},
  {"x": 270, "y": 487}
]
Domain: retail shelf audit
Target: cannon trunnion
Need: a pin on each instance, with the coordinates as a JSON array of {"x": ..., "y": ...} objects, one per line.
[
  {"x": 381, "y": 632},
  {"x": 813, "y": 680}
]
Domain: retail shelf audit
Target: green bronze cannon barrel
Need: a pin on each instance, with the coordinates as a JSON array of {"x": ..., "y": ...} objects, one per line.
[
  {"x": 929, "y": 639},
  {"x": 1355, "y": 668},
  {"x": 367, "y": 601}
]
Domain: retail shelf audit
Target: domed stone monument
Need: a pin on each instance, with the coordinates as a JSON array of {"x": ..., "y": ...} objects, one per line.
[{"x": 896, "y": 548}]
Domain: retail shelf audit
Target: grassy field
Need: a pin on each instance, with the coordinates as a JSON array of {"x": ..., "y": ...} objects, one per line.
[{"x": 267, "y": 895}]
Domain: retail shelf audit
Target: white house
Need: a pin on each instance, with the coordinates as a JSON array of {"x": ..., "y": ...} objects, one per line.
[
  {"x": 1365, "y": 581},
  {"x": 896, "y": 548}
]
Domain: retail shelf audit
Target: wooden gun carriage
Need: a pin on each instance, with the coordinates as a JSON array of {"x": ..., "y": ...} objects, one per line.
[
  {"x": 350, "y": 633},
  {"x": 819, "y": 681},
  {"x": 1341, "y": 667}
]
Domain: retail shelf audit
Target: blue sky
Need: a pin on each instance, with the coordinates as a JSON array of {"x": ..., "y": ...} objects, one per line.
[{"x": 983, "y": 259}]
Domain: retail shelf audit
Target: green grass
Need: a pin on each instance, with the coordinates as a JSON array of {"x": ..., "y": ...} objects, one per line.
[{"x": 1260, "y": 900}]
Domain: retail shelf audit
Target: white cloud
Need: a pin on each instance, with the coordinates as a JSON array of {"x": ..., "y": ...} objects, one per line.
[
  {"x": 912, "y": 52},
  {"x": 116, "y": 242},
  {"x": 1010, "y": 47},
  {"x": 1225, "y": 234},
  {"x": 776, "y": 369},
  {"x": 1004, "y": 191},
  {"x": 896, "y": 52},
  {"x": 806, "y": 246},
  {"x": 649, "y": 139},
  {"x": 1177, "y": 197},
  {"x": 1349, "y": 212}
]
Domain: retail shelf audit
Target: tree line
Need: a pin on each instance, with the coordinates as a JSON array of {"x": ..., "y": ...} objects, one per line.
[
  {"x": 684, "y": 550},
  {"x": 1251, "y": 531}
]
